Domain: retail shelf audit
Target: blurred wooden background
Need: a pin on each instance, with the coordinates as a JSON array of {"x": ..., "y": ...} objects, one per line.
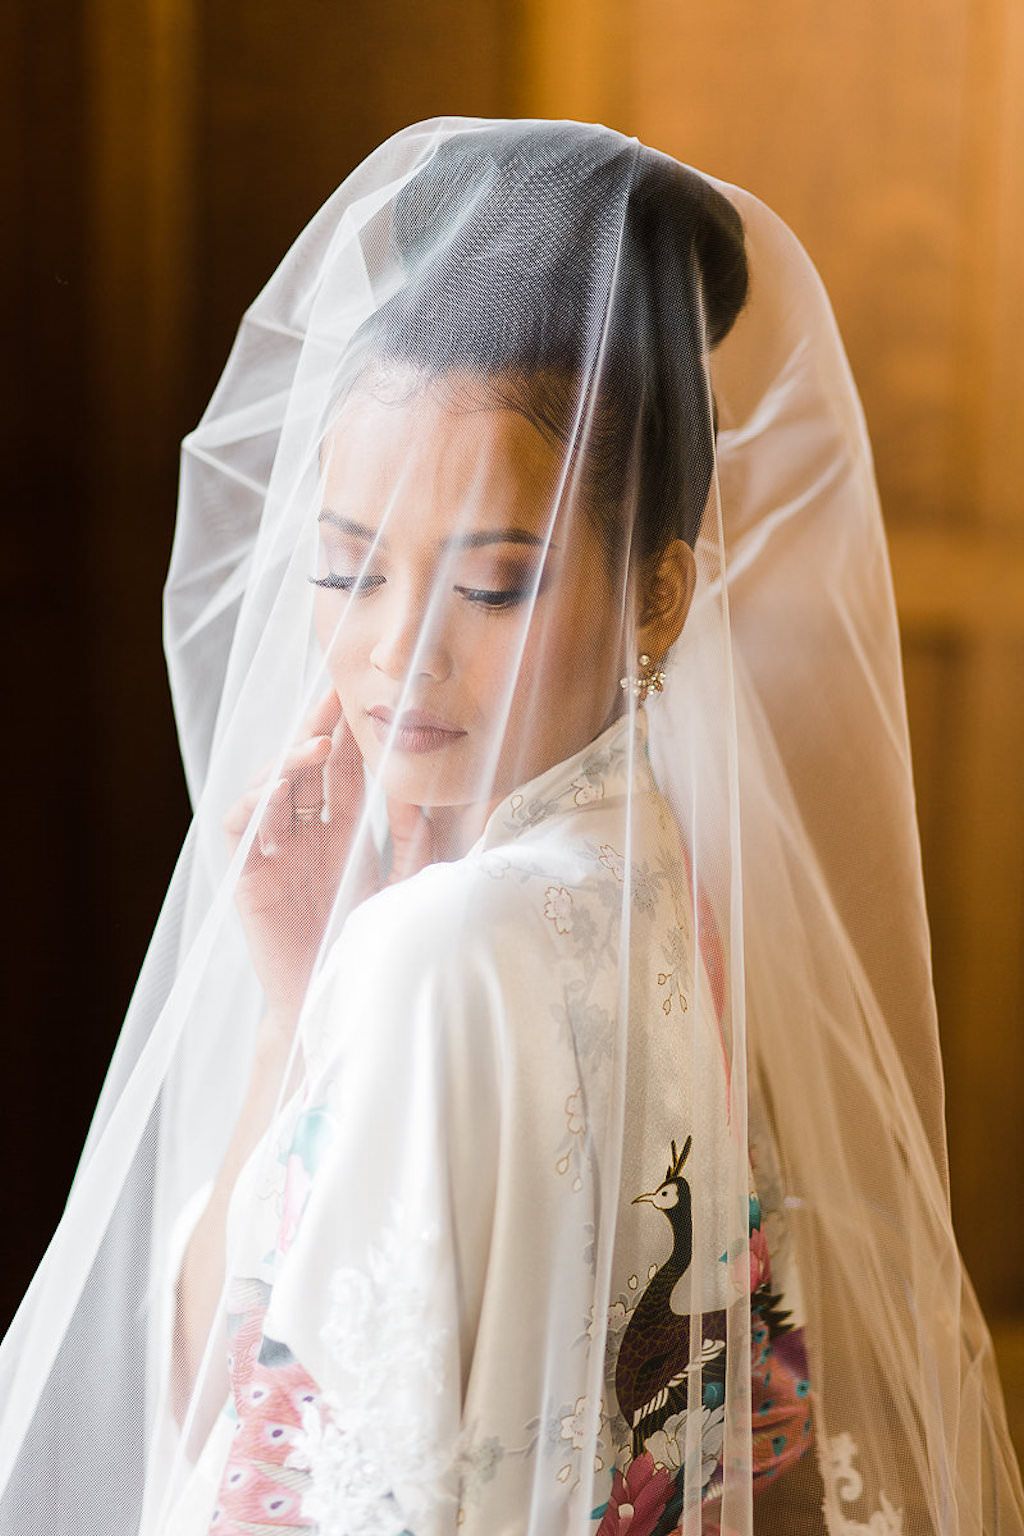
[{"x": 159, "y": 157}]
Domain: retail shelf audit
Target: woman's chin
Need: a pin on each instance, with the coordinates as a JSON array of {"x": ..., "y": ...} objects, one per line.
[{"x": 422, "y": 779}]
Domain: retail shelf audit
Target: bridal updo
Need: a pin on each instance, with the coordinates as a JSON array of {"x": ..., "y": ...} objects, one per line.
[{"x": 543, "y": 264}]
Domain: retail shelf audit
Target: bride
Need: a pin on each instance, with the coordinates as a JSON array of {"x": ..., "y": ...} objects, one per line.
[{"x": 528, "y": 1118}]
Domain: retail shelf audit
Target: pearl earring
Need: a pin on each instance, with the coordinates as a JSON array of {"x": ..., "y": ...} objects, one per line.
[{"x": 650, "y": 679}]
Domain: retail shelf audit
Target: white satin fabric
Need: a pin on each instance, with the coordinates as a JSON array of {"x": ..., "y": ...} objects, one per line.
[{"x": 438, "y": 1166}]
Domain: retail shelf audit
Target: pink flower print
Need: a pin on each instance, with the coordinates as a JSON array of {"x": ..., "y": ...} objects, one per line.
[
  {"x": 749, "y": 1270},
  {"x": 612, "y": 861},
  {"x": 585, "y": 791},
  {"x": 760, "y": 1259},
  {"x": 297, "y": 1185},
  {"x": 558, "y": 908},
  {"x": 638, "y": 1500}
]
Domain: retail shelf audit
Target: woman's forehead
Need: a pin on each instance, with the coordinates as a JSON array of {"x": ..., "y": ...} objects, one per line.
[{"x": 446, "y": 464}]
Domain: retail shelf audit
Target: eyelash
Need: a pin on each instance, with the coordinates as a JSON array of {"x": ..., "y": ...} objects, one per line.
[
  {"x": 507, "y": 598},
  {"x": 346, "y": 583}
]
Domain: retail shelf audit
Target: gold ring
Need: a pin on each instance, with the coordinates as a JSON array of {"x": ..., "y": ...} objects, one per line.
[{"x": 306, "y": 813}]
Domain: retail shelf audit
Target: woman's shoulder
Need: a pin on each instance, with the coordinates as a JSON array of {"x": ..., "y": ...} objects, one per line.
[
  {"x": 438, "y": 961},
  {"x": 448, "y": 916},
  {"x": 436, "y": 922}
]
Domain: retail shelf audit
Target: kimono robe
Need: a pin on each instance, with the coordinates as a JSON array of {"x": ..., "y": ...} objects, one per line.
[{"x": 415, "y": 1280}]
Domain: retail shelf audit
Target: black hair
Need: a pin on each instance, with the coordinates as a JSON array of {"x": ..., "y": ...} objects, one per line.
[{"x": 541, "y": 257}]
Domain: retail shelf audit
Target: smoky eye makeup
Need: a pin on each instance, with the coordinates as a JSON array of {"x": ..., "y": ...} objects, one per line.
[
  {"x": 497, "y": 583},
  {"x": 485, "y": 575},
  {"x": 344, "y": 562}
]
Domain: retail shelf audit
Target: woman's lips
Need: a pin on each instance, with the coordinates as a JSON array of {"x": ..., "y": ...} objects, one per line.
[{"x": 414, "y": 730}]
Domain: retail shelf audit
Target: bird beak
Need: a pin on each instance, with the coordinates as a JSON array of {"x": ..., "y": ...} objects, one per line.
[{"x": 649, "y": 1198}]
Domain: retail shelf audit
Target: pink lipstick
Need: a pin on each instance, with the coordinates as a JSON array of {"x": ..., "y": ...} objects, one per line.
[{"x": 414, "y": 730}]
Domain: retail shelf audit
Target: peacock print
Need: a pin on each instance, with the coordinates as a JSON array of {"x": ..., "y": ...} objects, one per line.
[{"x": 653, "y": 1368}]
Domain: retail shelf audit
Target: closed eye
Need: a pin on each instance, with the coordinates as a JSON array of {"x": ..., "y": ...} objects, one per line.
[
  {"x": 484, "y": 597},
  {"x": 487, "y": 598},
  {"x": 354, "y": 584}
]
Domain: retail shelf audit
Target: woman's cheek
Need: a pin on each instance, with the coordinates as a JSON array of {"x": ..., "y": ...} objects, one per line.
[{"x": 327, "y": 615}]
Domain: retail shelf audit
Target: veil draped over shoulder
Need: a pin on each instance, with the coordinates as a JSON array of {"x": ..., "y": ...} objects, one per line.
[{"x": 529, "y": 1116}]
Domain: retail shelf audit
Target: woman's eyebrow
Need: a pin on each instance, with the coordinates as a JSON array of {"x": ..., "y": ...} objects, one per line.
[
  {"x": 496, "y": 536},
  {"x": 475, "y": 540},
  {"x": 348, "y": 525}
]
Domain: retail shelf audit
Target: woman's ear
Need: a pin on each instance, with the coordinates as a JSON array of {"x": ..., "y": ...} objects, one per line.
[{"x": 666, "y": 587}]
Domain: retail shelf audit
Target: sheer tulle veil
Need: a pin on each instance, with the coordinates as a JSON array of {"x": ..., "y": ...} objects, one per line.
[{"x": 644, "y": 982}]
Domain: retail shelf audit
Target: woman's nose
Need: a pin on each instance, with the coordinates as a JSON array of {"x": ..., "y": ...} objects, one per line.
[{"x": 411, "y": 642}]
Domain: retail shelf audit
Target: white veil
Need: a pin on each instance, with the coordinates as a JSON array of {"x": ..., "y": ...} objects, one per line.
[{"x": 448, "y": 1317}]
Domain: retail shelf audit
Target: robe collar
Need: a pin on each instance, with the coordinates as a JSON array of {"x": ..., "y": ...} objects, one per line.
[{"x": 612, "y": 765}]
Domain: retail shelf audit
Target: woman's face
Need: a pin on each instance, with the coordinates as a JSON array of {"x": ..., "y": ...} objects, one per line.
[{"x": 474, "y": 638}]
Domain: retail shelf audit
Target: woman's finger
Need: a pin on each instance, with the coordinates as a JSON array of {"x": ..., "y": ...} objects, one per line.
[
  {"x": 324, "y": 715},
  {"x": 276, "y": 821},
  {"x": 303, "y": 768},
  {"x": 344, "y": 785},
  {"x": 299, "y": 786},
  {"x": 307, "y": 787},
  {"x": 316, "y": 727},
  {"x": 238, "y": 816}
]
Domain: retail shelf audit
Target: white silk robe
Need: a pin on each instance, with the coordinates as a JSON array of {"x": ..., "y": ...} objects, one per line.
[{"x": 424, "y": 1244}]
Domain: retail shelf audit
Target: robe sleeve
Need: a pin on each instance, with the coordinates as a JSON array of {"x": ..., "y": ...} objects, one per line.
[
  {"x": 379, "y": 1291},
  {"x": 441, "y": 1286}
]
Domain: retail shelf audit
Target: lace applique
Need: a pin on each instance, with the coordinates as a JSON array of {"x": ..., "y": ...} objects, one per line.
[
  {"x": 371, "y": 1447},
  {"x": 845, "y": 1479}
]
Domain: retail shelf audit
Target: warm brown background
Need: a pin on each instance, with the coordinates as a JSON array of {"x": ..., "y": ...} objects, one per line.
[{"x": 162, "y": 154}]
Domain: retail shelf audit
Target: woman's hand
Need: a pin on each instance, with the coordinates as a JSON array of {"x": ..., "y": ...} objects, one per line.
[
  {"x": 294, "y": 865},
  {"x": 306, "y": 836}
]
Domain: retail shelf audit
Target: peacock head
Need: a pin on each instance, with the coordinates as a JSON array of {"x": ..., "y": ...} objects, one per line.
[{"x": 670, "y": 1191}]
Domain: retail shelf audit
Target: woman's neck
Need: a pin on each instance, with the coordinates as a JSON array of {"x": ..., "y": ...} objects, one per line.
[{"x": 457, "y": 827}]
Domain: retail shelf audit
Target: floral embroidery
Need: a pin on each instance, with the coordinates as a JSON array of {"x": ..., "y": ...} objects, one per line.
[
  {"x": 587, "y": 1027},
  {"x": 558, "y": 908},
  {"x": 552, "y": 794},
  {"x": 839, "y": 1470},
  {"x": 644, "y": 884},
  {"x": 586, "y": 790},
  {"x": 839, "y": 1454},
  {"x": 612, "y": 861},
  {"x": 675, "y": 976},
  {"x": 477, "y": 1464},
  {"x": 668, "y": 1444},
  {"x": 576, "y": 1126},
  {"x": 574, "y": 1427},
  {"x": 374, "y": 1460}
]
